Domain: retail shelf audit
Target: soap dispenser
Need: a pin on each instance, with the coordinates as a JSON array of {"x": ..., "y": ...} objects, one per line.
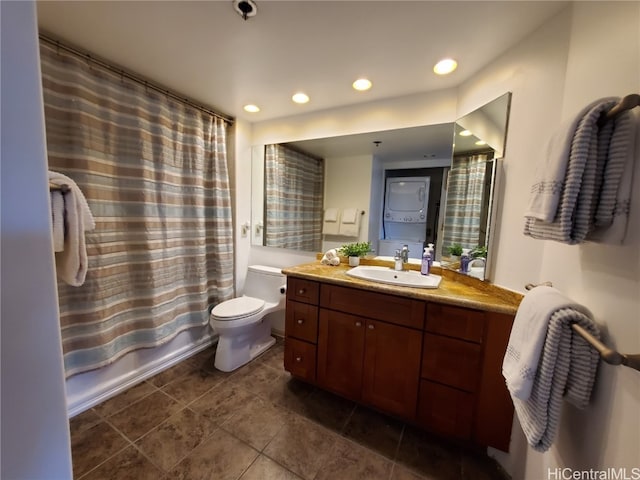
[
  {"x": 432, "y": 252},
  {"x": 465, "y": 259},
  {"x": 426, "y": 262}
]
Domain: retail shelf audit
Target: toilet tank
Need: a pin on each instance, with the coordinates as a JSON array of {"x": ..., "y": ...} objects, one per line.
[{"x": 264, "y": 282}]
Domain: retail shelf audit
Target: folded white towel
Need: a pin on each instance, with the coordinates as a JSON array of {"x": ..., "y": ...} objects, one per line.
[
  {"x": 331, "y": 258},
  {"x": 528, "y": 336},
  {"x": 612, "y": 216},
  {"x": 72, "y": 262},
  {"x": 330, "y": 225},
  {"x": 57, "y": 218},
  {"x": 578, "y": 193},
  {"x": 567, "y": 370},
  {"x": 350, "y": 223}
]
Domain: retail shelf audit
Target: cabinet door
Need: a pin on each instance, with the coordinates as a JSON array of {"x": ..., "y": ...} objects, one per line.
[
  {"x": 300, "y": 359},
  {"x": 340, "y": 352},
  {"x": 392, "y": 368},
  {"x": 445, "y": 410}
]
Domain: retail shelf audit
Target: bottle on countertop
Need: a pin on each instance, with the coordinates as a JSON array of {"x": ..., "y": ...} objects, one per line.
[
  {"x": 465, "y": 259},
  {"x": 426, "y": 262}
]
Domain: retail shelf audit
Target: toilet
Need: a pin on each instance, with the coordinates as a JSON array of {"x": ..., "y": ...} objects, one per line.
[{"x": 243, "y": 331}]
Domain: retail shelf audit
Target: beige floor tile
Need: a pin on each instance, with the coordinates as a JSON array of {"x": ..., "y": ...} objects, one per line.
[
  {"x": 84, "y": 421},
  {"x": 194, "y": 384},
  {"x": 221, "y": 457},
  {"x": 129, "y": 464},
  {"x": 375, "y": 431},
  {"x": 351, "y": 461},
  {"x": 256, "y": 422},
  {"x": 93, "y": 446},
  {"x": 288, "y": 392},
  {"x": 327, "y": 409},
  {"x": 266, "y": 469},
  {"x": 124, "y": 399},
  {"x": 274, "y": 357},
  {"x": 430, "y": 456},
  {"x": 402, "y": 473},
  {"x": 221, "y": 402},
  {"x": 257, "y": 378},
  {"x": 171, "y": 374},
  {"x": 172, "y": 440},
  {"x": 301, "y": 446},
  {"x": 144, "y": 415}
]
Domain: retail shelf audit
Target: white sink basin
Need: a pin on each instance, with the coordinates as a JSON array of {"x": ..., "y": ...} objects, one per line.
[{"x": 408, "y": 278}]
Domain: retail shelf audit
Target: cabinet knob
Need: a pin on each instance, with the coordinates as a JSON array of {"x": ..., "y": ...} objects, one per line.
[
  {"x": 301, "y": 291},
  {"x": 358, "y": 324},
  {"x": 300, "y": 321},
  {"x": 298, "y": 359},
  {"x": 371, "y": 327}
]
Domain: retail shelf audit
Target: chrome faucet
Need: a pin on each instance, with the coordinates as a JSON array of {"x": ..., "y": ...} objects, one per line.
[{"x": 405, "y": 255}]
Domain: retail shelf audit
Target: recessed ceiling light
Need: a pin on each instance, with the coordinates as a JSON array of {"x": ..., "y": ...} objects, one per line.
[
  {"x": 251, "y": 108},
  {"x": 445, "y": 66},
  {"x": 362, "y": 84},
  {"x": 465, "y": 133},
  {"x": 300, "y": 98},
  {"x": 481, "y": 142}
]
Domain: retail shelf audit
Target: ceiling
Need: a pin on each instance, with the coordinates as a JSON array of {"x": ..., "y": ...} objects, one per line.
[{"x": 204, "y": 50}]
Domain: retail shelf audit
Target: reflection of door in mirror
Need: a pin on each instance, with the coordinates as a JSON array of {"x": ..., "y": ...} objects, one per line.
[{"x": 293, "y": 199}]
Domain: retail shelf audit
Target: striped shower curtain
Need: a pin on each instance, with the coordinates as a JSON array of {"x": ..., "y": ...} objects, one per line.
[
  {"x": 294, "y": 185},
  {"x": 465, "y": 193},
  {"x": 154, "y": 172}
]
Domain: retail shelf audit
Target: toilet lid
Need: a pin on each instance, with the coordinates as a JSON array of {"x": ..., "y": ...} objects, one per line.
[{"x": 237, "y": 307}]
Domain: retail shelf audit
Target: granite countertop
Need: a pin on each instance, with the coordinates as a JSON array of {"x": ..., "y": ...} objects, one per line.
[{"x": 455, "y": 289}]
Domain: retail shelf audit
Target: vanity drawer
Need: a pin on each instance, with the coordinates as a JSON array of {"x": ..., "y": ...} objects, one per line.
[
  {"x": 389, "y": 308},
  {"x": 300, "y": 359},
  {"x": 455, "y": 322},
  {"x": 301, "y": 321},
  {"x": 445, "y": 410},
  {"x": 301, "y": 290},
  {"x": 452, "y": 362}
]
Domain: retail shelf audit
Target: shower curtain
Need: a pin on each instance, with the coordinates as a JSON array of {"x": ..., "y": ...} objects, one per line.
[
  {"x": 154, "y": 172},
  {"x": 465, "y": 192},
  {"x": 294, "y": 185}
]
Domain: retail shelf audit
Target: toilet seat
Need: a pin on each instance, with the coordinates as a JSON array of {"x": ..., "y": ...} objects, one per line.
[{"x": 237, "y": 308}]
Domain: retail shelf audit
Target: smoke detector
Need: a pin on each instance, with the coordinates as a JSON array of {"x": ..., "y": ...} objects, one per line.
[{"x": 245, "y": 8}]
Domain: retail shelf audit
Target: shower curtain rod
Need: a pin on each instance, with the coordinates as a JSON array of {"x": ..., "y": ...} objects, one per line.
[{"x": 133, "y": 77}]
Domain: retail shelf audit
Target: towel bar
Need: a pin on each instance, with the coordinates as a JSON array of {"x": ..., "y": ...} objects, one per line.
[
  {"x": 64, "y": 188},
  {"x": 610, "y": 356}
]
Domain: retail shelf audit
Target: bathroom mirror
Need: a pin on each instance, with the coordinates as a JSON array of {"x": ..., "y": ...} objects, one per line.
[
  {"x": 479, "y": 142},
  {"x": 417, "y": 149}
]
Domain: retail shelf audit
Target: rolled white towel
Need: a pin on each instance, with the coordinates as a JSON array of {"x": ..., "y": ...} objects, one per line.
[
  {"x": 331, "y": 254},
  {"x": 335, "y": 261},
  {"x": 325, "y": 260}
]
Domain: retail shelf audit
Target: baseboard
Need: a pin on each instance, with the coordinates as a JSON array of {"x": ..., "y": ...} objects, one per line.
[{"x": 112, "y": 387}]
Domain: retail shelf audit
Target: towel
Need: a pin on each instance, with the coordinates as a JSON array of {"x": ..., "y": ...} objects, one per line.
[
  {"x": 567, "y": 368},
  {"x": 527, "y": 338},
  {"x": 350, "y": 222},
  {"x": 331, "y": 258},
  {"x": 57, "y": 219},
  {"x": 330, "y": 223},
  {"x": 71, "y": 263},
  {"x": 612, "y": 216},
  {"x": 583, "y": 164}
]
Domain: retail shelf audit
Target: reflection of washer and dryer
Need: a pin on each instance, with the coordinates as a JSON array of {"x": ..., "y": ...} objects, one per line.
[{"x": 405, "y": 215}]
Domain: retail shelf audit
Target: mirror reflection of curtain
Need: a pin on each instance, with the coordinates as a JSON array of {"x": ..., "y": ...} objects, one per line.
[
  {"x": 154, "y": 173},
  {"x": 465, "y": 193},
  {"x": 293, "y": 199}
]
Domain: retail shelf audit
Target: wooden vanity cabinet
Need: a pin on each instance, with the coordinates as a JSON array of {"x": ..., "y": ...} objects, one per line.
[
  {"x": 301, "y": 328},
  {"x": 438, "y": 366}
]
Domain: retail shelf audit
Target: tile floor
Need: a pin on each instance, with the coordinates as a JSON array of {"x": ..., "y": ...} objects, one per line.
[{"x": 257, "y": 423}]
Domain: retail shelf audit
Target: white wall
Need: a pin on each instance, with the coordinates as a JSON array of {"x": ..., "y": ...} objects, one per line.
[
  {"x": 35, "y": 430},
  {"x": 559, "y": 69},
  {"x": 348, "y": 184}
]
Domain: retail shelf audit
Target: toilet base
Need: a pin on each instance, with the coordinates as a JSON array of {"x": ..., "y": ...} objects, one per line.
[{"x": 235, "y": 351}]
